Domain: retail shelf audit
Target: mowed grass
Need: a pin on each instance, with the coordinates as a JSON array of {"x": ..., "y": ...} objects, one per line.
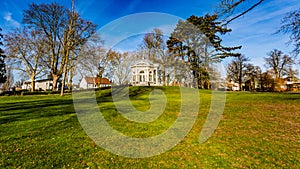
[{"x": 257, "y": 130}]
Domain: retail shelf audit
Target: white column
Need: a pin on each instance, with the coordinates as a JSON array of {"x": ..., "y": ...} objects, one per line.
[
  {"x": 135, "y": 80},
  {"x": 152, "y": 77},
  {"x": 155, "y": 75},
  {"x": 136, "y": 76}
]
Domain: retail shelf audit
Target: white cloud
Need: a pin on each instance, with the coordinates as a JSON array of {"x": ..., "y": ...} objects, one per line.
[{"x": 8, "y": 18}]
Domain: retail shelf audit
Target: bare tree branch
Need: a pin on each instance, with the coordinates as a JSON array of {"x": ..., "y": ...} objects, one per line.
[{"x": 229, "y": 6}]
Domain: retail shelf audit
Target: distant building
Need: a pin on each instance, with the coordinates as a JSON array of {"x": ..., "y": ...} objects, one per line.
[
  {"x": 251, "y": 85},
  {"x": 144, "y": 73},
  {"x": 94, "y": 82},
  {"x": 293, "y": 84},
  {"x": 233, "y": 86},
  {"x": 42, "y": 84}
]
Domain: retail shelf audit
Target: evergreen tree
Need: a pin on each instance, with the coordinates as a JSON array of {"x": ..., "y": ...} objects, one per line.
[
  {"x": 210, "y": 27},
  {"x": 198, "y": 44}
]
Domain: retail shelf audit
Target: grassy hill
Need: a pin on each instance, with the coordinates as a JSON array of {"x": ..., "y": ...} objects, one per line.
[{"x": 257, "y": 130}]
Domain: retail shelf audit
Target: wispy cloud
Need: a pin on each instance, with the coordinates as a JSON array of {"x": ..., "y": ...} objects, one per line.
[
  {"x": 134, "y": 25},
  {"x": 132, "y": 5},
  {"x": 8, "y": 18},
  {"x": 131, "y": 41}
]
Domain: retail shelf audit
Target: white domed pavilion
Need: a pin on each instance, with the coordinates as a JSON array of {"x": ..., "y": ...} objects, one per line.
[{"x": 144, "y": 73}]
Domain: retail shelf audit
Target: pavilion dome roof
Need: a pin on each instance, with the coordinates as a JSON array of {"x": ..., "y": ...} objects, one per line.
[{"x": 142, "y": 63}]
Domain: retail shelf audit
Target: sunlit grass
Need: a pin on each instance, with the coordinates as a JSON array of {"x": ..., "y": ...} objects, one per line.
[{"x": 257, "y": 130}]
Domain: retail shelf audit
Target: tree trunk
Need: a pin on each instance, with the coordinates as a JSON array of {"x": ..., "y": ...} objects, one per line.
[
  {"x": 240, "y": 79},
  {"x": 64, "y": 77},
  {"x": 70, "y": 83},
  {"x": 71, "y": 74},
  {"x": 33, "y": 84},
  {"x": 55, "y": 80},
  {"x": 99, "y": 75},
  {"x": 163, "y": 76},
  {"x": 32, "y": 78}
]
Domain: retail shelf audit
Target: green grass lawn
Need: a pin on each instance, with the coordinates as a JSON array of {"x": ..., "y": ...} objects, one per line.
[{"x": 257, "y": 130}]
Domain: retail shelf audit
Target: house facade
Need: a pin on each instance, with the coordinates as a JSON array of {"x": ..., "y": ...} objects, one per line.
[
  {"x": 42, "y": 85},
  {"x": 144, "y": 73},
  {"x": 233, "y": 86},
  {"x": 94, "y": 82},
  {"x": 293, "y": 86}
]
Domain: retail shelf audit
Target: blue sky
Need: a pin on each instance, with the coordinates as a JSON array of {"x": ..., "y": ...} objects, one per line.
[{"x": 254, "y": 31}]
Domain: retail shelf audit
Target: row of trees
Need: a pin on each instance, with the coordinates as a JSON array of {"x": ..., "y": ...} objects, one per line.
[
  {"x": 56, "y": 41},
  {"x": 196, "y": 43},
  {"x": 278, "y": 65},
  {"x": 186, "y": 56}
]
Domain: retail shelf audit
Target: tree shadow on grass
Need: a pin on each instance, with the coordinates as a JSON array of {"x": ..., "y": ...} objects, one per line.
[
  {"x": 134, "y": 93},
  {"x": 294, "y": 96},
  {"x": 27, "y": 110},
  {"x": 21, "y": 111}
]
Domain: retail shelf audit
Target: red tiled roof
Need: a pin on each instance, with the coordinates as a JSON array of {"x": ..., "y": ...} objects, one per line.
[
  {"x": 97, "y": 80},
  {"x": 102, "y": 81},
  {"x": 89, "y": 80}
]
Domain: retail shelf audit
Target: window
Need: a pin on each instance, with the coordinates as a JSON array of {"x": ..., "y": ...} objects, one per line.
[
  {"x": 150, "y": 76},
  {"x": 142, "y": 76}
]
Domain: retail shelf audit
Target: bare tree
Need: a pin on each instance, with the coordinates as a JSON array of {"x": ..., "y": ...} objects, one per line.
[
  {"x": 25, "y": 49},
  {"x": 93, "y": 59},
  {"x": 291, "y": 25},
  {"x": 278, "y": 63},
  {"x": 120, "y": 66},
  {"x": 157, "y": 52},
  {"x": 235, "y": 69},
  {"x": 153, "y": 42},
  {"x": 229, "y": 9},
  {"x": 65, "y": 32}
]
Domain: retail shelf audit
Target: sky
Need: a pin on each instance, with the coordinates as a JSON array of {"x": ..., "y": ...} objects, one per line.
[{"x": 119, "y": 20}]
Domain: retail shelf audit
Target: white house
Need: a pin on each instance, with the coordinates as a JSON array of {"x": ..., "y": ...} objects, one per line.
[
  {"x": 43, "y": 84},
  {"x": 233, "y": 86},
  {"x": 144, "y": 73},
  {"x": 94, "y": 82}
]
